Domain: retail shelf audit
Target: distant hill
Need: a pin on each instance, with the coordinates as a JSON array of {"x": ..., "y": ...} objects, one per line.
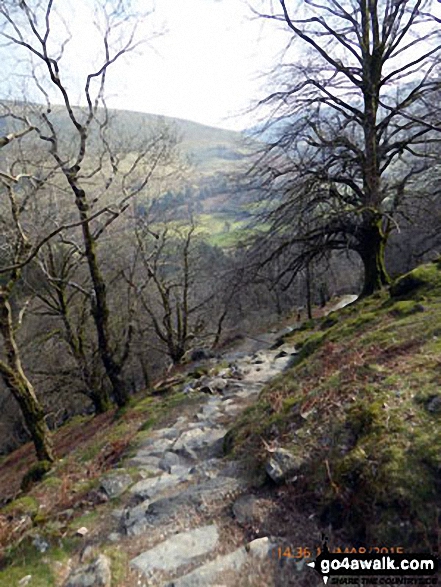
[
  {"x": 214, "y": 153},
  {"x": 209, "y": 148}
]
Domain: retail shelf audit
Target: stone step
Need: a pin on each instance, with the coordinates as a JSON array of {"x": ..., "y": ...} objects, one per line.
[
  {"x": 210, "y": 572},
  {"x": 177, "y": 551}
]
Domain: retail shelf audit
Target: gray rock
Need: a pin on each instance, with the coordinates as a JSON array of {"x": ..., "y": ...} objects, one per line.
[
  {"x": 260, "y": 548},
  {"x": 209, "y": 409},
  {"x": 97, "y": 574},
  {"x": 433, "y": 405},
  {"x": 169, "y": 460},
  {"x": 180, "y": 422},
  {"x": 134, "y": 520},
  {"x": 247, "y": 510},
  {"x": 155, "y": 447},
  {"x": 25, "y": 581},
  {"x": 196, "y": 498},
  {"x": 233, "y": 410},
  {"x": 149, "y": 488},
  {"x": 115, "y": 484},
  {"x": 218, "y": 384},
  {"x": 209, "y": 468},
  {"x": 208, "y": 573},
  {"x": 145, "y": 460},
  {"x": 169, "y": 433},
  {"x": 178, "y": 550},
  {"x": 40, "y": 544},
  {"x": 282, "y": 464},
  {"x": 184, "y": 472},
  {"x": 197, "y": 440}
]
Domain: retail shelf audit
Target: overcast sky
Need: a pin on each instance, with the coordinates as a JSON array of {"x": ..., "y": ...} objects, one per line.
[{"x": 205, "y": 67}]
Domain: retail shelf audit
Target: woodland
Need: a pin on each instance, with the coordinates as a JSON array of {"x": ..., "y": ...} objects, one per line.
[{"x": 130, "y": 241}]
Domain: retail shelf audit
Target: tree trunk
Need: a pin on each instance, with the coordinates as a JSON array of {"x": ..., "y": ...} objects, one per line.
[
  {"x": 96, "y": 393},
  {"x": 372, "y": 250},
  {"x": 21, "y": 388},
  {"x": 308, "y": 291},
  {"x": 100, "y": 310}
]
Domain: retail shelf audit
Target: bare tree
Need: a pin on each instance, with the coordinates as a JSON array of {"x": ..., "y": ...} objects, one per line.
[
  {"x": 31, "y": 28},
  {"x": 353, "y": 126},
  {"x": 65, "y": 296},
  {"x": 16, "y": 245},
  {"x": 171, "y": 286}
]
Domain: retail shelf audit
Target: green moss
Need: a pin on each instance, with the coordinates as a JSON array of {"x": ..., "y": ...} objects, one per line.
[
  {"x": 24, "y": 505},
  {"x": 425, "y": 279},
  {"x": 364, "y": 417},
  {"x": 88, "y": 519},
  {"x": 119, "y": 564},
  {"x": 310, "y": 345},
  {"x": 52, "y": 481},
  {"x": 144, "y": 405},
  {"x": 405, "y": 308},
  {"x": 370, "y": 407},
  {"x": 25, "y": 559},
  {"x": 364, "y": 318},
  {"x": 35, "y": 474},
  {"x": 329, "y": 321},
  {"x": 42, "y": 575}
]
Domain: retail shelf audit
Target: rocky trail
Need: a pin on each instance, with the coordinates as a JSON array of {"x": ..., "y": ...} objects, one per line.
[{"x": 186, "y": 522}]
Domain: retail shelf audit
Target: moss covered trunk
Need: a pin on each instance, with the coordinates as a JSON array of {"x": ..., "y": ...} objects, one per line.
[
  {"x": 15, "y": 379},
  {"x": 372, "y": 251},
  {"x": 96, "y": 392},
  {"x": 100, "y": 310}
]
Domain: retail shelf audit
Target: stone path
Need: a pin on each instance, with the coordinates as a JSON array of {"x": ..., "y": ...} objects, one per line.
[
  {"x": 191, "y": 482},
  {"x": 183, "y": 521}
]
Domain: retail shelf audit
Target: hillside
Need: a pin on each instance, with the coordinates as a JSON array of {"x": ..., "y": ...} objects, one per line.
[
  {"x": 213, "y": 154},
  {"x": 345, "y": 440},
  {"x": 360, "y": 410}
]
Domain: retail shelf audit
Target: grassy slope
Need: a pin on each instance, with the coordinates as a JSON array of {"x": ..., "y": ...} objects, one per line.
[
  {"x": 67, "y": 498},
  {"x": 362, "y": 408}
]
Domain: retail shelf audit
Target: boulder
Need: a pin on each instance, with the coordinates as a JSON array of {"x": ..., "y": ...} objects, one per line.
[
  {"x": 115, "y": 484},
  {"x": 149, "y": 488},
  {"x": 282, "y": 465},
  {"x": 178, "y": 550},
  {"x": 250, "y": 511},
  {"x": 97, "y": 574}
]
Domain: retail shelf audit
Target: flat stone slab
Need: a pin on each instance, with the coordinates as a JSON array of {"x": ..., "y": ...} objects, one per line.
[
  {"x": 178, "y": 550},
  {"x": 184, "y": 472},
  {"x": 233, "y": 561},
  {"x": 196, "y": 497},
  {"x": 115, "y": 484},
  {"x": 149, "y": 488},
  {"x": 145, "y": 460},
  {"x": 198, "y": 439},
  {"x": 134, "y": 521},
  {"x": 155, "y": 447},
  {"x": 208, "y": 573},
  {"x": 168, "y": 433},
  {"x": 169, "y": 460}
]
